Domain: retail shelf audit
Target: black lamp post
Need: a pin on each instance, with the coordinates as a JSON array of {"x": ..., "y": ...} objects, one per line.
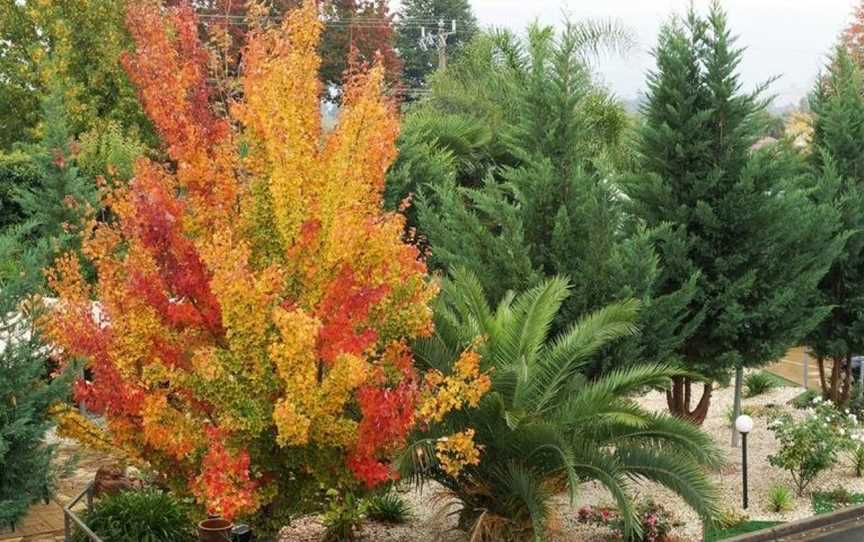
[{"x": 744, "y": 424}]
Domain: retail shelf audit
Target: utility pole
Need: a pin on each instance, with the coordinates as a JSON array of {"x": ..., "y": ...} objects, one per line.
[{"x": 440, "y": 39}]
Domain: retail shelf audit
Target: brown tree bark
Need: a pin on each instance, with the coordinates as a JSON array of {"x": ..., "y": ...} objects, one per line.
[
  {"x": 822, "y": 381},
  {"x": 678, "y": 399},
  {"x": 838, "y": 385}
]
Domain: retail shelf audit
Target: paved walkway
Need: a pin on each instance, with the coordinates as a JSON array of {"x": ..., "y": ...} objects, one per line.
[{"x": 44, "y": 523}]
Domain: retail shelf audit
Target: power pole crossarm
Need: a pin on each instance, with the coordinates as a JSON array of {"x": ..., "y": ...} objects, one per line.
[{"x": 440, "y": 40}]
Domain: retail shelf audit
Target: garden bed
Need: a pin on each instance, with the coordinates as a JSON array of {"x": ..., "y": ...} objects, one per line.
[{"x": 431, "y": 521}]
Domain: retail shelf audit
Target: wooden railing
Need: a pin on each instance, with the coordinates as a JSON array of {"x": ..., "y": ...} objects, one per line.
[{"x": 71, "y": 520}]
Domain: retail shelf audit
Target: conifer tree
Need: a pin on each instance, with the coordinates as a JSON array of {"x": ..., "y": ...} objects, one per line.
[
  {"x": 546, "y": 205},
  {"x": 55, "y": 206},
  {"x": 26, "y": 394},
  {"x": 738, "y": 215},
  {"x": 838, "y": 156}
]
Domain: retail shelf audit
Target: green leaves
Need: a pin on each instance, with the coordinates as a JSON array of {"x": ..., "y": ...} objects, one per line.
[
  {"x": 542, "y": 198},
  {"x": 544, "y": 427},
  {"x": 738, "y": 225}
]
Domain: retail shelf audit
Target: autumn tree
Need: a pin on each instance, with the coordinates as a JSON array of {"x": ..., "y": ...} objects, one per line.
[
  {"x": 355, "y": 31},
  {"x": 254, "y": 305},
  {"x": 76, "y": 43},
  {"x": 853, "y": 36}
]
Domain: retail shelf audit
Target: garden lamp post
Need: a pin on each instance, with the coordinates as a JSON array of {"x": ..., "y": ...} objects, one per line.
[{"x": 744, "y": 424}]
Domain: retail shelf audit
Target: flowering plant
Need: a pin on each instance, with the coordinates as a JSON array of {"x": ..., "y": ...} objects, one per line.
[
  {"x": 810, "y": 445},
  {"x": 656, "y": 521}
]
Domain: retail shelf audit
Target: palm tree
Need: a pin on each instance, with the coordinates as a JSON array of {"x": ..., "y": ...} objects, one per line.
[{"x": 544, "y": 429}]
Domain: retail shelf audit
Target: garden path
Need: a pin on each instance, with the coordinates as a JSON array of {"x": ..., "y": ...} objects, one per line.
[{"x": 44, "y": 522}]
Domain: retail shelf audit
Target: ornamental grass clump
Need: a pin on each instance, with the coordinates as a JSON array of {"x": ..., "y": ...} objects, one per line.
[
  {"x": 248, "y": 337},
  {"x": 534, "y": 426}
]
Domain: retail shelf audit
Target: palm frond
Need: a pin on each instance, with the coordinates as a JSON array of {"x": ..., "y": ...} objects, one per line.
[
  {"x": 525, "y": 332},
  {"x": 575, "y": 347},
  {"x": 595, "y": 37},
  {"x": 685, "y": 477}
]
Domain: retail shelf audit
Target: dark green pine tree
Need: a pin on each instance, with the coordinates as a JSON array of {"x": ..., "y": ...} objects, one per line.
[
  {"x": 838, "y": 157},
  {"x": 55, "y": 206},
  {"x": 738, "y": 216},
  {"x": 27, "y": 392},
  {"x": 421, "y": 58},
  {"x": 548, "y": 206}
]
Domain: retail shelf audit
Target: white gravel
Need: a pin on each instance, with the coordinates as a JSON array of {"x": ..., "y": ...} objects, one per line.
[{"x": 432, "y": 523}]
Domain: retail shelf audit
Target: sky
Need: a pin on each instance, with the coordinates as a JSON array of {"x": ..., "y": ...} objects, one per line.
[{"x": 786, "y": 38}]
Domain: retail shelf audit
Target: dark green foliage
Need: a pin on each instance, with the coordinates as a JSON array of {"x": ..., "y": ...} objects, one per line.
[
  {"x": 714, "y": 535},
  {"x": 740, "y": 217},
  {"x": 827, "y": 501},
  {"x": 139, "y": 516},
  {"x": 804, "y": 399},
  {"x": 513, "y": 153},
  {"x": 17, "y": 172},
  {"x": 53, "y": 208},
  {"x": 544, "y": 428},
  {"x": 440, "y": 149},
  {"x": 388, "y": 507},
  {"x": 838, "y": 157},
  {"x": 759, "y": 382},
  {"x": 420, "y": 60},
  {"x": 26, "y": 393}
]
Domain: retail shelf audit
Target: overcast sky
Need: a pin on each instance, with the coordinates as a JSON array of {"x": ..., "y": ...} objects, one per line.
[{"x": 789, "y": 38}]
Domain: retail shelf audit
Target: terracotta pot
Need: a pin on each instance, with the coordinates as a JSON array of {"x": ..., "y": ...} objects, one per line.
[{"x": 214, "y": 530}]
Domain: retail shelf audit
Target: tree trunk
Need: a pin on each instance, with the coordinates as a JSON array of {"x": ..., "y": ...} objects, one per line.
[
  {"x": 678, "y": 400},
  {"x": 822, "y": 382},
  {"x": 736, "y": 404},
  {"x": 837, "y": 386},
  {"x": 847, "y": 381}
]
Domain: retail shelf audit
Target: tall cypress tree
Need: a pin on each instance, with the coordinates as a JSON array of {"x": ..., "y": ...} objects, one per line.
[
  {"x": 421, "y": 59},
  {"x": 546, "y": 204},
  {"x": 838, "y": 156},
  {"x": 738, "y": 216}
]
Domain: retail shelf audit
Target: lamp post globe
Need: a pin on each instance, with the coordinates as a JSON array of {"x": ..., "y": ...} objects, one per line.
[{"x": 744, "y": 424}]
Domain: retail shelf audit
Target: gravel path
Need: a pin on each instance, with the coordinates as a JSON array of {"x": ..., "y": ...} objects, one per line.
[{"x": 430, "y": 524}]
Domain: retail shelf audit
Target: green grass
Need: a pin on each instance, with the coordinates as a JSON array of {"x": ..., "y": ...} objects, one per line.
[
  {"x": 804, "y": 399},
  {"x": 782, "y": 381},
  {"x": 742, "y": 528},
  {"x": 828, "y": 501}
]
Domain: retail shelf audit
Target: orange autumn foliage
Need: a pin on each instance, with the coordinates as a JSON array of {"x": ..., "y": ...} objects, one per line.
[{"x": 254, "y": 303}]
